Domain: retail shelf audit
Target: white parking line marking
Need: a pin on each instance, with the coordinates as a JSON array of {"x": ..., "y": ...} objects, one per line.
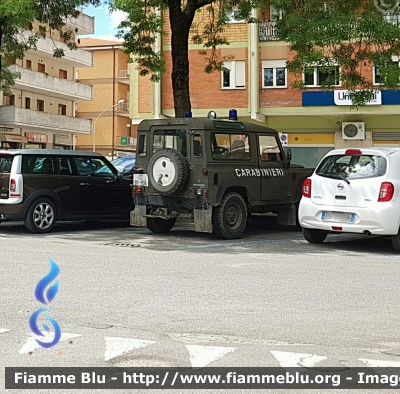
[
  {"x": 200, "y": 356},
  {"x": 31, "y": 343},
  {"x": 290, "y": 359},
  {"x": 116, "y": 346},
  {"x": 3, "y": 330},
  {"x": 380, "y": 363}
]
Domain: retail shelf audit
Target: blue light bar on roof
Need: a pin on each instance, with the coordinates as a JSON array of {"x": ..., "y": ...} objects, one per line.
[{"x": 233, "y": 114}]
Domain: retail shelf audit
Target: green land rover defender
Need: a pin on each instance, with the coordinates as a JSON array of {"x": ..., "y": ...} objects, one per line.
[{"x": 212, "y": 173}]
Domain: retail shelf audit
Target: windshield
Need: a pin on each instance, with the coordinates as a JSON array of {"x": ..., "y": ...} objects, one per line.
[
  {"x": 124, "y": 164},
  {"x": 352, "y": 166}
]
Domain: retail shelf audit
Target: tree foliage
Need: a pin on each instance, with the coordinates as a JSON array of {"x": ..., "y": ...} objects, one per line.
[
  {"x": 15, "y": 17},
  {"x": 355, "y": 35},
  {"x": 144, "y": 21}
]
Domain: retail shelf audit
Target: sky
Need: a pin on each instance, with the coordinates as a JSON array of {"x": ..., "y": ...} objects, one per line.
[{"x": 105, "y": 24}]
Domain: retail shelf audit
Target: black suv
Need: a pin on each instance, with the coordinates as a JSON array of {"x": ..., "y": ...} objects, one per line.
[
  {"x": 42, "y": 187},
  {"x": 213, "y": 173}
]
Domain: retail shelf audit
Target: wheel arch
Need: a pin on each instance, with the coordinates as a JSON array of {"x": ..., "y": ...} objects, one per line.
[
  {"x": 49, "y": 194},
  {"x": 229, "y": 188}
]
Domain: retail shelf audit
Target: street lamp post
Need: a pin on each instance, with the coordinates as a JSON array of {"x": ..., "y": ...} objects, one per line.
[{"x": 94, "y": 124}]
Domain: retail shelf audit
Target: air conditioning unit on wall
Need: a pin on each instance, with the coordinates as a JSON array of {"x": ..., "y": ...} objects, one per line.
[{"x": 353, "y": 130}]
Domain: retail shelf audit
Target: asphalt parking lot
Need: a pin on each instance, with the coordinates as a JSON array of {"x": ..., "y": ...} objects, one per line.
[{"x": 263, "y": 234}]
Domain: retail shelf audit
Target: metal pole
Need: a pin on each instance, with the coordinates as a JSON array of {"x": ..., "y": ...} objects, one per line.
[{"x": 94, "y": 124}]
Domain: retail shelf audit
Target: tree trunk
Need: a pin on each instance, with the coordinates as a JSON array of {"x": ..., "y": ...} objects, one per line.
[
  {"x": 180, "y": 28},
  {"x": 3, "y": 23}
]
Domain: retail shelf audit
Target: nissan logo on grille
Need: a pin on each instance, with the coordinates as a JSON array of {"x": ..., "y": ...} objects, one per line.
[{"x": 340, "y": 186}]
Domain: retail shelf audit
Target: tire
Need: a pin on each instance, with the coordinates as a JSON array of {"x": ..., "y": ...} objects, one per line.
[
  {"x": 158, "y": 225},
  {"x": 314, "y": 236},
  {"x": 168, "y": 171},
  {"x": 396, "y": 242},
  {"x": 230, "y": 218},
  {"x": 41, "y": 216}
]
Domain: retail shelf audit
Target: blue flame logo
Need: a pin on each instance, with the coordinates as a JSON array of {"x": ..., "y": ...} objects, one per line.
[{"x": 40, "y": 296}]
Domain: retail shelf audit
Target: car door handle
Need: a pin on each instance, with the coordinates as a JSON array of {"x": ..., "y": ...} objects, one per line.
[{"x": 84, "y": 184}]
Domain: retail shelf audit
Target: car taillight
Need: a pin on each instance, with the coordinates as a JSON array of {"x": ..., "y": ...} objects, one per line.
[
  {"x": 386, "y": 192},
  {"x": 136, "y": 190},
  {"x": 13, "y": 185},
  {"x": 306, "y": 189}
]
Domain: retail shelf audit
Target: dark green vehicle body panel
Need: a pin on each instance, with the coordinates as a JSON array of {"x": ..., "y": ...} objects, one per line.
[{"x": 266, "y": 186}]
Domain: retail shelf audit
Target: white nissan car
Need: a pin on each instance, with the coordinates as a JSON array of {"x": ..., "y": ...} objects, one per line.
[{"x": 353, "y": 191}]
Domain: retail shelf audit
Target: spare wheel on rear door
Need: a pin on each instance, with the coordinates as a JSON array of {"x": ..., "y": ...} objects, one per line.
[{"x": 168, "y": 171}]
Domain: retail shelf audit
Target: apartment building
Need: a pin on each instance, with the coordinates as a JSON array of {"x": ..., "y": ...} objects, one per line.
[
  {"x": 40, "y": 113},
  {"x": 258, "y": 85},
  {"x": 112, "y": 134}
]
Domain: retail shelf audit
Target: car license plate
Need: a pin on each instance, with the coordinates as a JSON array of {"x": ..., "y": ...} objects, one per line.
[
  {"x": 140, "y": 180},
  {"x": 338, "y": 217}
]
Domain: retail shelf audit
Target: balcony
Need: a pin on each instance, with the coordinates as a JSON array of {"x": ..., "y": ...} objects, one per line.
[
  {"x": 267, "y": 31},
  {"x": 123, "y": 109},
  {"x": 42, "y": 83},
  {"x": 45, "y": 48},
  {"x": 11, "y": 116},
  {"x": 84, "y": 23},
  {"x": 124, "y": 76}
]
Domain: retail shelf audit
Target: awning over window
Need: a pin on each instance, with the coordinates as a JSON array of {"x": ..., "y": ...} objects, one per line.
[{"x": 12, "y": 138}]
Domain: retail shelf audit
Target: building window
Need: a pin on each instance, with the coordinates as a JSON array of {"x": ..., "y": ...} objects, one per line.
[
  {"x": 40, "y": 105},
  {"x": 378, "y": 75},
  {"x": 12, "y": 100},
  {"x": 41, "y": 68},
  {"x": 233, "y": 77},
  {"x": 274, "y": 74},
  {"x": 233, "y": 16},
  {"x": 27, "y": 103},
  {"x": 62, "y": 109},
  {"x": 327, "y": 6},
  {"x": 28, "y": 64},
  {"x": 318, "y": 76},
  {"x": 274, "y": 13},
  {"x": 62, "y": 74},
  {"x": 309, "y": 156}
]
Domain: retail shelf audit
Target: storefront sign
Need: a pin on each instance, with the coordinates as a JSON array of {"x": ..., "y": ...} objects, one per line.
[
  {"x": 343, "y": 97},
  {"x": 31, "y": 137},
  {"x": 63, "y": 139}
]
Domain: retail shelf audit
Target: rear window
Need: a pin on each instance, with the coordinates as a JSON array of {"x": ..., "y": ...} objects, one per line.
[
  {"x": 175, "y": 139},
  {"x": 352, "y": 166},
  {"x": 5, "y": 163}
]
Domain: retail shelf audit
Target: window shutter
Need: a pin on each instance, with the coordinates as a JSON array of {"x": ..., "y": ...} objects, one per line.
[{"x": 240, "y": 74}]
